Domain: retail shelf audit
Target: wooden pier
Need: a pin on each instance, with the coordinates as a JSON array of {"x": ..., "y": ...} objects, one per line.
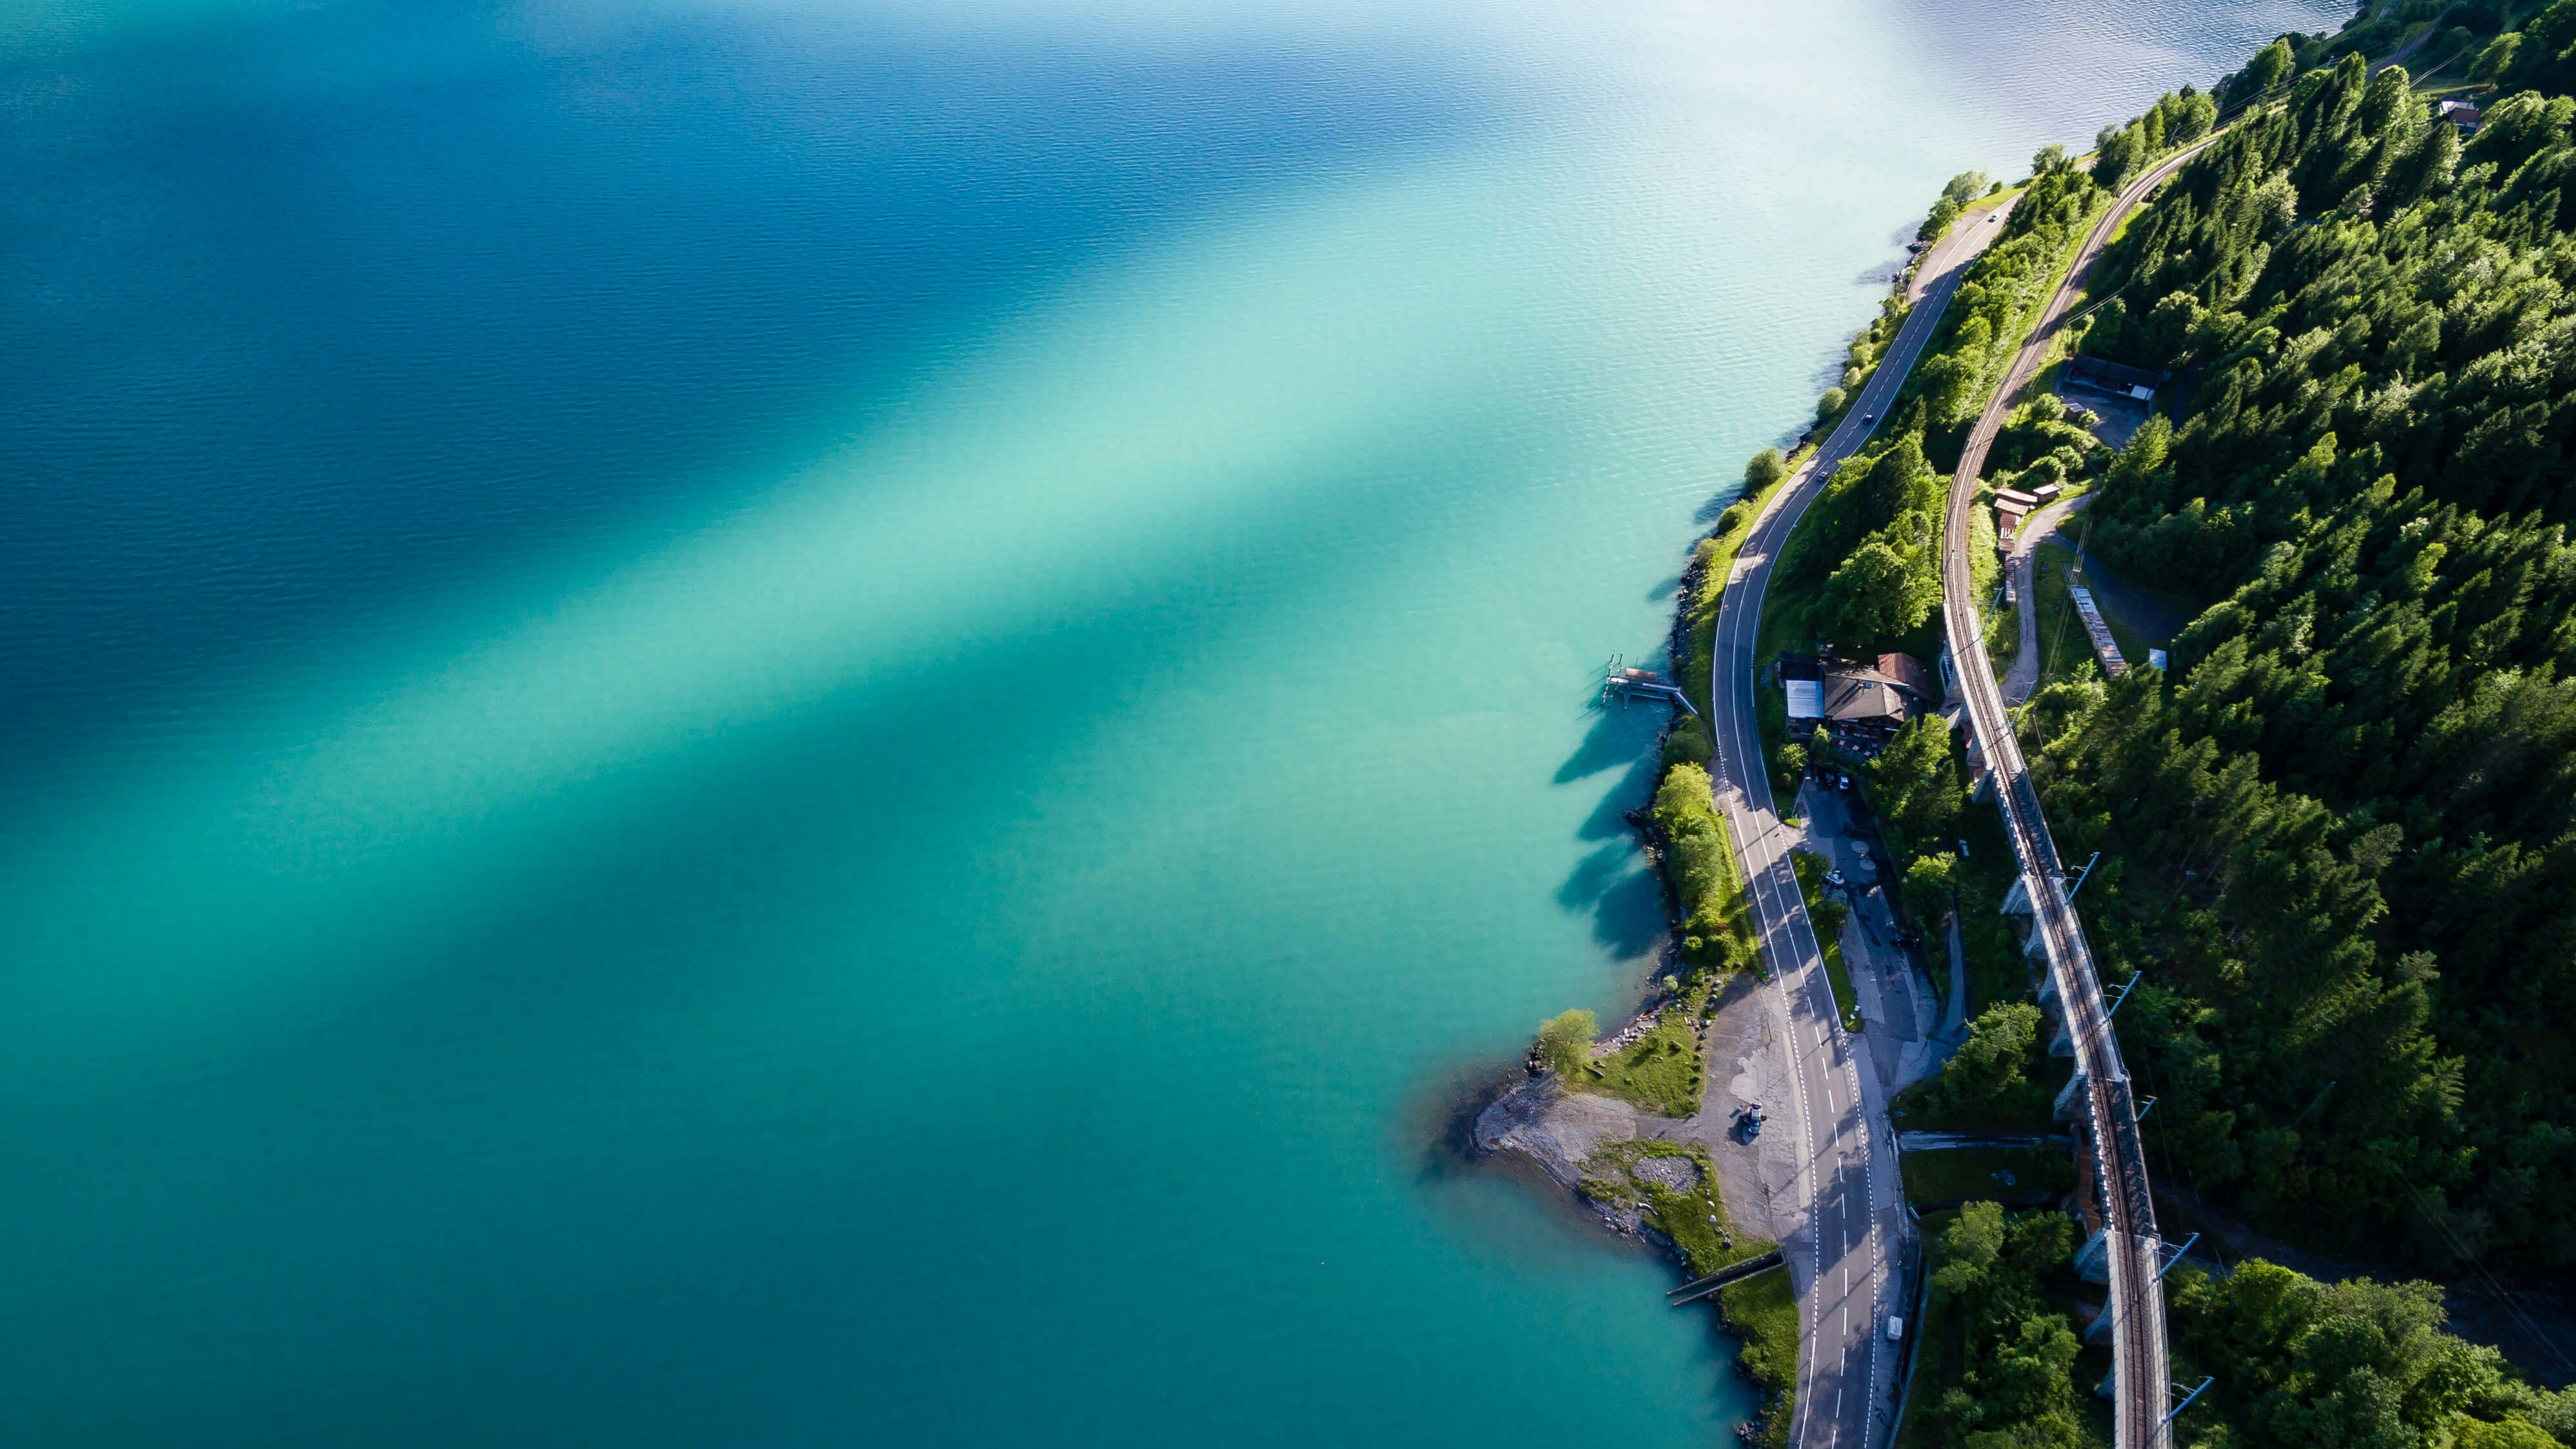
[{"x": 1622, "y": 682}]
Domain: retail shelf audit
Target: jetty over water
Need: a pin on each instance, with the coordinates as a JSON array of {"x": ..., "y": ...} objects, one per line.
[{"x": 1623, "y": 682}]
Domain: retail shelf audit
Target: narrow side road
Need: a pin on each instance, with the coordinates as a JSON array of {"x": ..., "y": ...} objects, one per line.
[
  {"x": 1842, "y": 1223},
  {"x": 2023, "y": 681}
]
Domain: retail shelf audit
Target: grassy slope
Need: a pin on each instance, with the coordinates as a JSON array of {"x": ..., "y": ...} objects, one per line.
[
  {"x": 2003, "y": 636},
  {"x": 1763, "y": 1311},
  {"x": 1696, "y": 1221},
  {"x": 1957, "y": 1174},
  {"x": 1840, "y": 975},
  {"x": 1661, "y": 1070},
  {"x": 2064, "y": 643},
  {"x": 2031, "y": 1107}
]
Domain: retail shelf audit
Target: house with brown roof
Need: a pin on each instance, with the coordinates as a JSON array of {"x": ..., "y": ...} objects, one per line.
[
  {"x": 1911, "y": 675},
  {"x": 1865, "y": 704}
]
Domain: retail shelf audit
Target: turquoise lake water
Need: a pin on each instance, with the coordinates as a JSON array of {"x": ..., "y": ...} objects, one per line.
[{"x": 827, "y": 724}]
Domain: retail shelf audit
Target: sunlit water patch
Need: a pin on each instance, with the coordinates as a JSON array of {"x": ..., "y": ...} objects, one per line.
[{"x": 795, "y": 723}]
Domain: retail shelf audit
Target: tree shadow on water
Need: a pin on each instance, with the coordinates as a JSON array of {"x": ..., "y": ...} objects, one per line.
[
  {"x": 1609, "y": 818},
  {"x": 1596, "y": 876},
  {"x": 1624, "y": 897},
  {"x": 1612, "y": 881},
  {"x": 1718, "y": 502},
  {"x": 1628, "y": 920},
  {"x": 1620, "y": 735}
]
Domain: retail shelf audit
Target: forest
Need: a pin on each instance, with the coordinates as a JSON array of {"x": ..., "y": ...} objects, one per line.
[
  {"x": 1872, "y": 549},
  {"x": 2338, "y": 831},
  {"x": 2292, "y": 1362},
  {"x": 2341, "y": 832}
]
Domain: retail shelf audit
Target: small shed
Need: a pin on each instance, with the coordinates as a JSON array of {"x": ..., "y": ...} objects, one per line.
[{"x": 2008, "y": 517}]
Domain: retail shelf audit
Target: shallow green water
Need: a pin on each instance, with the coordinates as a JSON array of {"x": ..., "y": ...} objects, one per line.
[{"x": 794, "y": 724}]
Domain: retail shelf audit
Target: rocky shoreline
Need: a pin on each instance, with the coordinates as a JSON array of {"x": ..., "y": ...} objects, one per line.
[
  {"x": 1578, "y": 1137},
  {"x": 1568, "y": 1135}
]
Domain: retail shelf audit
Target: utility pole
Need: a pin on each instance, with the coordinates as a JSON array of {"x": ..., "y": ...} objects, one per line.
[
  {"x": 2186, "y": 1401},
  {"x": 2177, "y": 1255},
  {"x": 2084, "y": 875},
  {"x": 2130, "y": 985}
]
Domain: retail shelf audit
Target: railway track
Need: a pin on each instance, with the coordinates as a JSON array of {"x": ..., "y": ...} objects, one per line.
[{"x": 2108, "y": 1122}]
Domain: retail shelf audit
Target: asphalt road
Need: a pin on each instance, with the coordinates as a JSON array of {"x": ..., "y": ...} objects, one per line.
[
  {"x": 1845, "y": 1207},
  {"x": 2108, "y": 1127}
]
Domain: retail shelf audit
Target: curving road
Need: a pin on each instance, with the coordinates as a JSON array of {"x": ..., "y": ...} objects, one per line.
[
  {"x": 1845, "y": 1210},
  {"x": 2108, "y": 1129}
]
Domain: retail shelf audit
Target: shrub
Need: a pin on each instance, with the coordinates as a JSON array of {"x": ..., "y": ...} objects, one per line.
[
  {"x": 1790, "y": 763},
  {"x": 1996, "y": 1056},
  {"x": 1687, "y": 743},
  {"x": 1931, "y": 882},
  {"x": 1829, "y": 916},
  {"x": 1565, "y": 1041},
  {"x": 1764, "y": 469}
]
